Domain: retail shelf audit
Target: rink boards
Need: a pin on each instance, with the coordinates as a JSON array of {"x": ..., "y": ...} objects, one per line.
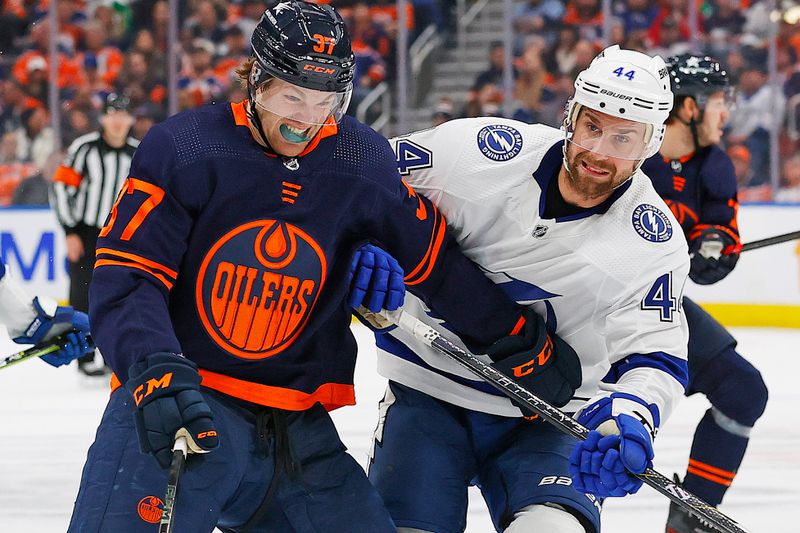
[{"x": 764, "y": 290}]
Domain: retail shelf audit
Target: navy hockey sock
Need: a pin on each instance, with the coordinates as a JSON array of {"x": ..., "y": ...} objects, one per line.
[{"x": 714, "y": 460}]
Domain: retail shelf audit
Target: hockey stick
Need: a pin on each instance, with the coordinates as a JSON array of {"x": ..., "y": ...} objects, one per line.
[
  {"x": 769, "y": 241},
  {"x": 558, "y": 418},
  {"x": 36, "y": 351},
  {"x": 175, "y": 469}
]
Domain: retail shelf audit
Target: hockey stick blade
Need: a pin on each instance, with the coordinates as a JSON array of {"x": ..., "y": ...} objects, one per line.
[
  {"x": 36, "y": 351},
  {"x": 558, "y": 418},
  {"x": 167, "y": 523}
]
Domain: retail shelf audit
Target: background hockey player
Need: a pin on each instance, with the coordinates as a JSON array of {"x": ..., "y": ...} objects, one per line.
[
  {"x": 219, "y": 292},
  {"x": 571, "y": 228},
  {"x": 35, "y": 321},
  {"x": 697, "y": 179}
]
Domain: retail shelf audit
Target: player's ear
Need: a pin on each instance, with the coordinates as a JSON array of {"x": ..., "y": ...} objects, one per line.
[{"x": 691, "y": 108}]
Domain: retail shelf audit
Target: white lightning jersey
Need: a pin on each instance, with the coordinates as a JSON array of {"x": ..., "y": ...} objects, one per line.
[{"x": 608, "y": 280}]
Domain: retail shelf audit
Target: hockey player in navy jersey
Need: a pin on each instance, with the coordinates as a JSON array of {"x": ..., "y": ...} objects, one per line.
[
  {"x": 38, "y": 320},
  {"x": 697, "y": 180},
  {"x": 219, "y": 298},
  {"x": 567, "y": 224}
]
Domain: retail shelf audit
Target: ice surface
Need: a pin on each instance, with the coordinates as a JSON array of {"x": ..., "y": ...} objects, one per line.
[{"x": 49, "y": 417}]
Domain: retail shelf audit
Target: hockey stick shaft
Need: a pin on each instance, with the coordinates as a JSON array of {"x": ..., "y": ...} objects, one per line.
[
  {"x": 769, "y": 241},
  {"x": 558, "y": 418},
  {"x": 36, "y": 351},
  {"x": 175, "y": 468}
]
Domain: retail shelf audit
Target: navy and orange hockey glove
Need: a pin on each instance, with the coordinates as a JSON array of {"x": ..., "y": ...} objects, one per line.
[
  {"x": 538, "y": 360},
  {"x": 166, "y": 390},
  {"x": 714, "y": 253}
]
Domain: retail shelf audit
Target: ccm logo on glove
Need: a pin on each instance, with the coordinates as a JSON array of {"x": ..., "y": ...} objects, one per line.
[
  {"x": 540, "y": 360},
  {"x": 151, "y": 384}
]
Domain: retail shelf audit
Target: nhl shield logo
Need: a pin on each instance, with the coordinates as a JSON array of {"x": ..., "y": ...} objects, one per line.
[
  {"x": 499, "y": 142},
  {"x": 651, "y": 223},
  {"x": 539, "y": 231},
  {"x": 257, "y": 286}
]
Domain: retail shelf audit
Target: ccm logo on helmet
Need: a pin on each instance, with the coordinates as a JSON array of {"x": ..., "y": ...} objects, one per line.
[
  {"x": 316, "y": 68},
  {"x": 616, "y": 95}
]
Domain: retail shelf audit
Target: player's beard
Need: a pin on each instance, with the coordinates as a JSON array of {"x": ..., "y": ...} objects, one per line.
[{"x": 590, "y": 187}]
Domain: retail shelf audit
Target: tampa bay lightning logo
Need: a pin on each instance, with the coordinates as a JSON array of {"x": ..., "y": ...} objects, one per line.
[
  {"x": 499, "y": 142},
  {"x": 651, "y": 223}
]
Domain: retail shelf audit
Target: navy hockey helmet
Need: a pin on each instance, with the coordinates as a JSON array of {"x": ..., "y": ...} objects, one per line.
[
  {"x": 306, "y": 45},
  {"x": 698, "y": 77}
]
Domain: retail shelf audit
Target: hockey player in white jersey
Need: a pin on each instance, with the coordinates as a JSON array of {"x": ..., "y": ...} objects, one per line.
[
  {"x": 566, "y": 222},
  {"x": 33, "y": 321}
]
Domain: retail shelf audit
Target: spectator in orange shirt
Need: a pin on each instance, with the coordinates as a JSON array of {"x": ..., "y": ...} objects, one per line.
[
  {"x": 68, "y": 73},
  {"x": 12, "y": 171}
]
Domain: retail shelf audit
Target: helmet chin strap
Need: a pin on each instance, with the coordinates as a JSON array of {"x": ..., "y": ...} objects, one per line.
[
  {"x": 252, "y": 115},
  {"x": 692, "y": 123}
]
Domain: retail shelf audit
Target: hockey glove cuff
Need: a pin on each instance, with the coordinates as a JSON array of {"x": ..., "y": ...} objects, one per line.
[
  {"x": 166, "y": 390},
  {"x": 539, "y": 361}
]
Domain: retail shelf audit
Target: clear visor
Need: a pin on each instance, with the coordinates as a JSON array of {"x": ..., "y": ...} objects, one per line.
[
  {"x": 610, "y": 136},
  {"x": 302, "y": 107},
  {"x": 722, "y": 101}
]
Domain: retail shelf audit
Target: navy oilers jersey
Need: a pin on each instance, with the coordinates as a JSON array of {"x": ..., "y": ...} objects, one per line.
[
  {"x": 699, "y": 188},
  {"x": 239, "y": 259}
]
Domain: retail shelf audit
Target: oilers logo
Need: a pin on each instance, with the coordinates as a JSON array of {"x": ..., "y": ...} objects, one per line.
[
  {"x": 499, "y": 142},
  {"x": 257, "y": 286},
  {"x": 651, "y": 223}
]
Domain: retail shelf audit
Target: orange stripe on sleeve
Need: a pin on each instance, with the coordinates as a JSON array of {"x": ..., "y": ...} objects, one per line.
[
  {"x": 159, "y": 277},
  {"x": 431, "y": 254},
  {"x": 138, "y": 259},
  {"x": 67, "y": 176}
]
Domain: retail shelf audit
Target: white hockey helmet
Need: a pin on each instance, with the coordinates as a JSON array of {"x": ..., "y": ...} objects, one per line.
[{"x": 628, "y": 85}]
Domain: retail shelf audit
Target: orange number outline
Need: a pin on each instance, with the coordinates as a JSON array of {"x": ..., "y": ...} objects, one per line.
[{"x": 156, "y": 195}]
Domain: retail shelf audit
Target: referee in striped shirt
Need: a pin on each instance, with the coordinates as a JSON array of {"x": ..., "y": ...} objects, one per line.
[{"x": 85, "y": 187}]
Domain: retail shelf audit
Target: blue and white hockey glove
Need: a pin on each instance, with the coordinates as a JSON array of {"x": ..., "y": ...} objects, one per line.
[
  {"x": 166, "y": 390},
  {"x": 621, "y": 441},
  {"x": 376, "y": 282},
  {"x": 538, "y": 360},
  {"x": 54, "y": 321},
  {"x": 714, "y": 254}
]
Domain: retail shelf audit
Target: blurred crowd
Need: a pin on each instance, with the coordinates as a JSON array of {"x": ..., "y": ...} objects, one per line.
[
  {"x": 119, "y": 46},
  {"x": 555, "y": 39}
]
